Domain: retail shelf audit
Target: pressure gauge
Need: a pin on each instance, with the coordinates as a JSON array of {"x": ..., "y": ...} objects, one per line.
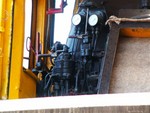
[
  {"x": 93, "y": 20},
  {"x": 76, "y": 19}
]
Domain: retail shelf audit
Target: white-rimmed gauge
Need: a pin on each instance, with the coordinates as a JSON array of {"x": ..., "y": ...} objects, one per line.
[
  {"x": 93, "y": 20},
  {"x": 76, "y": 19}
]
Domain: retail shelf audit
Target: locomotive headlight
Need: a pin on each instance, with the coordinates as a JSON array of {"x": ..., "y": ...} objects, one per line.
[
  {"x": 93, "y": 20},
  {"x": 76, "y": 19}
]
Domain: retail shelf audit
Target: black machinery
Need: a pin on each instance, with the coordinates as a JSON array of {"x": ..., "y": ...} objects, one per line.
[
  {"x": 83, "y": 65},
  {"x": 77, "y": 64}
]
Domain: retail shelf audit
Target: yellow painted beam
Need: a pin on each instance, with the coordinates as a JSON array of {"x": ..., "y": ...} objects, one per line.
[
  {"x": 22, "y": 82},
  {"x": 1, "y": 43},
  {"x": 28, "y": 84},
  {"x": 41, "y": 20},
  {"x": 1, "y": 29},
  {"x": 17, "y": 49},
  {"x": 7, "y": 46}
]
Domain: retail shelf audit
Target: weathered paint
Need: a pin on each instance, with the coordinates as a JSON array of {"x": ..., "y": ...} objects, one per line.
[
  {"x": 7, "y": 46},
  {"x": 5, "y": 43},
  {"x": 17, "y": 48},
  {"x": 1, "y": 43}
]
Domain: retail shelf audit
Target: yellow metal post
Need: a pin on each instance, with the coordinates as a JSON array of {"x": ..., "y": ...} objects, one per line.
[
  {"x": 17, "y": 49},
  {"x": 1, "y": 43},
  {"x": 22, "y": 82},
  {"x": 5, "y": 44},
  {"x": 7, "y": 21}
]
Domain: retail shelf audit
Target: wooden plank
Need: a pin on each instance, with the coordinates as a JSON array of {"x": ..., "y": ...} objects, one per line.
[{"x": 109, "y": 103}]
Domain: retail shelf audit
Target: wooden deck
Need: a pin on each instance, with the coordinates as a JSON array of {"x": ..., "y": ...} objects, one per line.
[{"x": 110, "y": 103}]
